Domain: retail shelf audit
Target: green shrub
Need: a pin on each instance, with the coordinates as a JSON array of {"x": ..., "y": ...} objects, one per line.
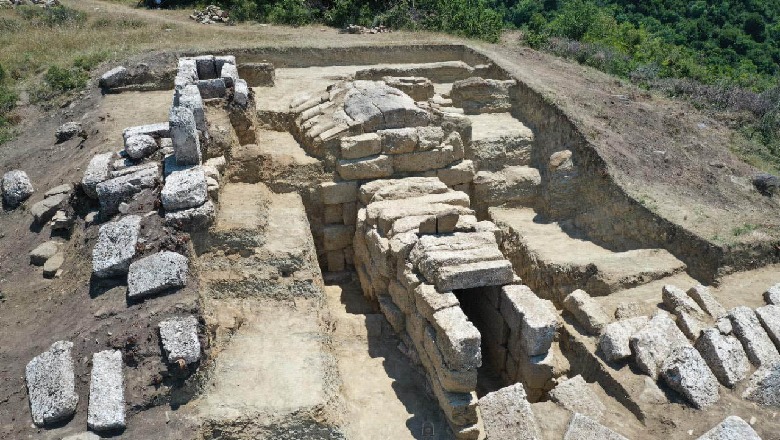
[
  {"x": 63, "y": 80},
  {"x": 51, "y": 17},
  {"x": 291, "y": 12},
  {"x": 91, "y": 60}
]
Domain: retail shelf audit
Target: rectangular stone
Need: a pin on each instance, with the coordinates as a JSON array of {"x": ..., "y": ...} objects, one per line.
[
  {"x": 724, "y": 355},
  {"x": 457, "y": 174},
  {"x": 393, "y": 314},
  {"x": 532, "y": 321},
  {"x": 362, "y": 145},
  {"x": 333, "y": 214},
  {"x": 457, "y": 381},
  {"x": 349, "y": 213},
  {"x": 189, "y": 97},
  {"x": 401, "y": 297},
  {"x": 769, "y": 316},
  {"x": 207, "y": 68},
  {"x": 458, "y": 339},
  {"x": 654, "y": 342},
  {"x": 506, "y": 414},
  {"x": 459, "y": 408},
  {"x": 418, "y": 224},
  {"x": 212, "y": 88},
  {"x": 184, "y": 133},
  {"x": 587, "y": 311},
  {"x": 430, "y": 301},
  {"x": 51, "y": 385},
  {"x": 431, "y": 263},
  {"x": 337, "y": 237},
  {"x": 471, "y": 275},
  {"x": 758, "y": 345},
  {"x": 158, "y": 130},
  {"x": 706, "y": 301},
  {"x": 258, "y": 74},
  {"x": 446, "y": 222},
  {"x": 424, "y": 160},
  {"x": 336, "y": 260},
  {"x": 338, "y": 192},
  {"x": 106, "y": 392},
  {"x": 399, "y": 140},
  {"x": 375, "y": 167}
]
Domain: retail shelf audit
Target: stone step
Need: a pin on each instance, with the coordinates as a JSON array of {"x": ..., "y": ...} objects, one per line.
[{"x": 499, "y": 140}]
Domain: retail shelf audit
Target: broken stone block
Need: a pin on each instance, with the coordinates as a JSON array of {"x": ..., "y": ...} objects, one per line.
[
  {"x": 456, "y": 381},
  {"x": 229, "y": 74},
  {"x": 686, "y": 372},
  {"x": 458, "y": 339},
  {"x": 396, "y": 189},
  {"x": 68, "y": 131},
  {"x": 690, "y": 325},
  {"x": 764, "y": 386},
  {"x": 115, "y": 247},
  {"x": 588, "y": 312},
  {"x": 577, "y": 396},
  {"x": 476, "y": 95},
  {"x": 189, "y": 97},
  {"x": 106, "y": 392},
  {"x": 65, "y": 188},
  {"x": 398, "y": 140},
  {"x": 533, "y": 319},
  {"x": 429, "y": 137},
  {"x": 43, "y": 252},
  {"x": 51, "y": 385},
  {"x": 45, "y": 209},
  {"x": 113, "y": 192},
  {"x": 676, "y": 299},
  {"x": 179, "y": 337},
  {"x": 97, "y": 171},
  {"x": 126, "y": 170},
  {"x": 158, "y": 130},
  {"x": 517, "y": 184},
  {"x": 506, "y": 414},
  {"x": 430, "y": 301},
  {"x": 212, "y": 88},
  {"x": 184, "y": 133},
  {"x": 363, "y": 145},
  {"x": 654, "y": 342},
  {"x": 184, "y": 189},
  {"x": 732, "y": 428},
  {"x": 192, "y": 219},
  {"x": 375, "y": 167},
  {"x": 140, "y": 146},
  {"x": 418, "y": 88},
  {"x": 156, "y": 273},
  {"x": 615, "y": 339},
  {"x": 723, "y": 324},
  {"x": 16, "y": 188},
  {"x": 772, "y": 295},
  {"x": 724, "y": 355},
  {"x": 241, "y": 93},
  {"x": 628, "y": 310},
  {"x": 758, "y": 346},
  {"x": 114, "y": 78},
  {"x": 769, "y": 316},
  {"x": 378, "y": 106},
  {"x": 206, "y": 66},
  {"x": 424, "y": 160},
  {"x": 461, "y": 172},
  {"x": 706, "y": 301},
  {"x": 221, "y": 60},
  {"x": 582, "y": 427},
  {"x": 53, "y": 264}
]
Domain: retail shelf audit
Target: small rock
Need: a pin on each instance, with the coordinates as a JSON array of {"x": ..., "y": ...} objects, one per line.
[
  {"x": 53, "y": 264},
  {"x": 43, "y": 252},
  {"x": 68, "y": 131},
  {"x": 767, "y": 184},
  {"x": 140, "y": 146},
  {"x": 16, "y": 188},
  {"x": 65, "y": 188},
  {"x": 114, "y": 78},
  {"x": 45, "y": 209},
  {"x": 61, "y": 221},
  {"x": 180, "y": 339}
]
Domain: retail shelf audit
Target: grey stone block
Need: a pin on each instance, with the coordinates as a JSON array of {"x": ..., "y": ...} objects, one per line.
[
  {"x": 158, "y": 130},
  {"x": 241, "y": 93},
  {"x": 396, "y": 189},
  {"x": 65, "y": 188},
  {"x": 375, "y": 167},
  {"x": 588, "y": 312},
  {"x": 769, "y": 316},
  {"x": 187, "y": 72},
  {"x": 615, "y": 339},
  {"x": 97, "y": 171},
  {"x": 179, "y": 337},
  {"x": 338, "y": 237},
  {"x": 192, "y": 219},
  {"x": 455, "y": 381},
  {"x": 430, "y": 301},
  {"x": 221, "y": 60},
  {"x": 471, "y": 275},
  {"x": 506, "y": 414},
  {"x": 206, "y": 66},
  {"x": 764, "y": 386},
  {"x": 705, "y": 300},
  {"x": 189, "y": 97},
  {"x": 140, "y": 146},
  {"x": 185, "y": 189},
  {"x": 724, "y": 355},
  {"x": 732, "y": 428},
  {"x": 156, "y": 273},
  {"x": 378, "y": 106},
  {"x": 212, "y": 88},
  {"x": 338, "y": 192},
  {"x": 45, "y": 209},
  {"x": 398, "y": 140},
  {"x": 113, "y": 192},
  {"x": 458, "y": 339},
  {"x": 68, "y": 131},
  {"x": 772, "y": 295},
  {"x": 51, "y": 385},
  {"x": 654, "y": 342},
  {"x": 114, "y": 78},
  {"x": 676, "y": 299},
  {"x": 582, "y": 427},
  {"x": 115, "y": 247},
  {"x": 229, "y": 74},
  {"x": 16, "y": 188},
  {"x": 461, "y": 172},
  {"x": 533, "y": 318},
  {"x": 184, "y": 133},
  {"x": 758, "y": 346},
  {"x": 577, "y": 396},
  {"x": 106, "y": 392},
  {"x": 686, "y": 372},
  {"x": 43, "y": 252}
]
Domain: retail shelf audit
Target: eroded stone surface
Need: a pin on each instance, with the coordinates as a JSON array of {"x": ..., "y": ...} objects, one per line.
[
  {"x": 732, "y": 428},
  {"x": 106, "y": 392},
  {"x": 506, "y": 414},
  {"x": 686, "y": 372},
  {"x": 180, "y": 339},
  {"x": 654, "y": 342},
  {"x": 582, "y": 427},
  {"x": 615, "y": 339},
  {"x": 724, "y": 355},
  {"x": 156, "y": 273},
  {"x": 576, "y": 395},
  {"x": 116, "y": 247},
  {"x": 758, "y": 346},
  {"x": 51, "y": 385},
  {"x": 16, "y": 188}
]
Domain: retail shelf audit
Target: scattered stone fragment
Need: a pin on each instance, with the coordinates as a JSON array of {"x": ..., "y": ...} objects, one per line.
[
  {"x": 758, "y": 346},
  {"x": 140, "y": 146},
  {"x": 724, "y": 355},
  {"x": 615, "y": 339},
  {"x": 68, "y": 131},
  {"x": 113, "y": 192},
  {"x": 582, "y": 427},
  {"x": 589, "y": 313},
  {"x": 65, "y": 188},
  {"x": 51, "y": 385},
  {"x": 45, "y": 209},
  {"x": 185, "y": 189},
  {"x": 114, "y": 78},
  {"x": 732, "y": 428},
  {"x": 628, "y": 310},
  {"x": 61, "y": 221},
  {"x": 764, "y": 386},
  {"x": 106, "y": 392},
  {"x": 686, "y": 372},
  {"x": 705, "y": 300},
  {"x": 43, "y": 252},
  {"x": 156, "y": 273},
  {"x": 506, "y": 414},
  {"x": 16, "y": 188},
  {"x": 53, "y": 264},
  {"x": 180, "y": 339},
  {"x": 653, "y": 343},
  {"x": 97, "y": 171},
  {"x": 578, "y": 397},
  {"x": 115, "y": 247}
]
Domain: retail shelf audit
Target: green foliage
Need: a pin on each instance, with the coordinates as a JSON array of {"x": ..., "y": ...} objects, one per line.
[
  {"x": 62, "y": 80},
  {"x": 91, "y": 60},
  {"x": 7, "y": 104},
  {"x": 292, "y": 12},
  {"x": 51, "y": 17}
]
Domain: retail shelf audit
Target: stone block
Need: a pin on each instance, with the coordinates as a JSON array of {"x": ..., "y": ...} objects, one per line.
[
  {"x": 337, "y": 237},
  {"x": 241, "y": 93},
  {"x": 538, "y": 373},
  {"x": 516, "y": 184},
  {"x": 690, "y": 325},
  {"x": 772, "y": 295},
  {"x": 459, "y": 173},
  {"x": 221, "y": 60},
  {"x": 506, "y": 414},
  {"x": 114, "y": 78},
  {"x": 577, "y": 396},
  {"x": 587, "y": 311},
  {"x": 582, "y": 427},
  {"x": 349, "y": 213},
  {"x": 207, "y": 68},
  {"x": 335, "y": 260},
  {"x": 375, "y": 167},
  {"x": 257, "y": 74},
  {"x": 471, "y": 275},
  {"x": 97, "y": 171},
  {"x": 764, "y": 386},
  {"x": 189, "y": 97},
  {"x": 43, "y": 252},
  {"x": 459, "y": 408},
  {"x": 192, "y": 219},
  {"x": 106, "y": 392},
  {"x": 139, "y": 146},
  {"x": 418, "y": 88},
  {"x": 157, "y": 273},
  {"x": 334, "y": 193},
  {"x": 179, "y": 336},
  {"x": 429, "y": 137},
  {"x": 65, "y": 188},
  {"x": 51, "y": 385},
  {"x": 186, "y": 72},
  {"x": 614, "y": 341},
  {"x": 732, "y": 428},
  {"x": 686, "y": 372},
  {"x": 393, "y": 314},
  {"x": 757, "y": 343},
  {"x": 707, "y": 302},
  {"x": 452, "y": 380},
  {"x": 44, "y": 210},
  {"x": 184, "y": 133},
  {"x": 229, "y": 74},
  {"x": 16, "y": 188},
  {"x": 476, "y": 95},
  {"x": 158, "y": 130},
  {"x": 424, "y": 160},
  {"x": 396, "y": 189},
  {"x": 68, "y": 131},
  {"x": 398, "y": 140},
  {"x": 769, "y": 316},
  {"x": 52, "y": 266},
  {"x": 676, "y": 299},
  {"x": 654, "y": 342},
  {"x": 115, "y": 247},
  {"x": 401, "y": 297},
  {"x": 333, "y": 214},
  {"x": 362, "y": 145},
  {"x": 185, "y": 189},
  {"x": 532, "y": 319},
  {"x": 724, "y": 355},
  {"x": 458, "y": 339},
  {"x": 446, "y": 222}
]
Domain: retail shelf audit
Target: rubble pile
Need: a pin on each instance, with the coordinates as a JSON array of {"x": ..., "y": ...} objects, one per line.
[{"x": 212, "y": 14}]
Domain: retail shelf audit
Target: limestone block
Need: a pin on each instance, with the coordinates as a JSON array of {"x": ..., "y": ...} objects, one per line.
[
  {"x": 772, "y": 295},
  {"x": 16, "y": 188},
  {"x": 140, "y": 146},
  {"x": 429, "y": 137},
  {"x": 654, "y": 342},
  {"x": 577, "y": 396},
  {"x": 186, "y": 72},
  {"x": 446, "y": 222},
  {"x": 429, "y": 300},
  {"x": 458, "y": 339},
  {"x": 335, "y": 260},
  {"x": 686, "y": 372},
  {"x": 393, "y": 314},
  {"x": 401, "y": 297},
  {"x": 158, "y": 130},
  {"x": 459, "y": 408},
  {"x": 65, "y": 188},
  {"x": 349, "y": 213},
  {"x": 724, "y": 355},
  {"x": 375, "y": 167},
  {"x": 614, "y": 342},
  {"x": 398, "y": 140},
  {"x": 156, "y": 273},
  {"x": 51, "y": 385},
  {"x": 732, "y": 428},
  {"x": 516, "y": 184},
  {"x": 431, "y": 262},
  {"x": 229, "y": 74},
  {"x": 471, "y": 275},
  {"x": 676, "y": 299},
  {"x": 690, "y": 325},
  {"x": 53, "y": 265},
  {"x": 114, "y": 78},
  {"x": 395, "y": 189},
  {"x": 418, "y": 88},
  {"x": 378, "y": 106},
  {"x": 582, "y": 427},
  {"x": 184, "y": 133},
  {"x": 769, "y": 316},
  {"x": 241, "y": 93},
  {"x": 363, "y": 145},
  {"x": 337, "y": 236},
  {"x": 757, "y": 343},
  {"x": 476, "y": 95},
  {"x": 192, "y": 219},
  {"x": 115, "y": 247},
  {"x": 106, "y": 392},
  {"x": 189, "y": 97},
  {"x": 338, "y": 192},
  {"x": 506, "y": 414},
  {"x": 538, "y": 373},
  {"x": 588, "y": 312},
  {"x": 185, "y": 189},
  {"x": 459, "y": 173},
  {"x": 179, "y": 336},
  {"x": 43, "y": 252},
  {"x": 45, "y": 209},
  {"x": 532, "y": 319},
  {"x": 97, "y": 171},
  {"x": 707, "y": 302},
  {"x": 333, "y": 214},
  {"x": 257, "y": 74},
  {"x": 424, "y": 160}
]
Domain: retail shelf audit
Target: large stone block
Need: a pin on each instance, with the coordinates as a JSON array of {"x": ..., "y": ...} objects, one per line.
[
  {"x": 337, "y": 237},
  {"x": 189, "y": 97},
  {"x": 471, "y": 275},
  {"x": 156, "y": 273},
  {"x": 757, "y": 343},
  {"x": 676, "y": 299},
  {"x": 615, "y": 339},
  {"x": 769, "y": 316},
  {"x": 398, "y": 140},
  {"x": 258, "y": 74},
  {"x": 424, "y": 160},
  {"x": 452, "y": 380},
  {"x": 334, "y": 193},
  {"x": 51, "y": 385},
  {"x": 582, "y": 427},
  {"x": 184, "y": 134},
  {"x": 417, "y": 87},
  {"x": 732, "y": 428},
  {"x": 229, "y": 74},
  {"x": 114, "y": 78},
  {"x": 724, "y": 355},
  {"x": 476, "y": 95},
  {"x": 206, "y": 66},
  {"x": 16, "y": 188},
  {"x": 158, "y": 130},
  {"x": 532, "y": 319},
  {"x": 393, "y": 314},
  {"x": 363, "y": 145},
  {"x": 396, "y": 189},
  {"x": 705, "y": 300},
  {"x": 686, "y": 372},
  {"x": 430, "y": 301},
  {"x": 460, "y": 173},
  {"x": 587, "y": 311},
  {"x": 764, "y": 386},
  {"x": 192, "y": 219},
  {"x": 506, "y": 414},
  {"x": 185, "y": 189},
  {"x": 378, "y": 106},
  {"x": 179, "y": 338},
  {"x": 516, "y": 184},
  {"x": 577, "y": 396},
  {"x": 106, "y": 392},
  {"x": 375, "y": 167},
  {"x": 115, "y": 247},
  {"x": 212, "y": 88},
  {"x": 113, "y": 192},
  {"x": 97, "y": 171},
  {"x": 458, "y": 339},
  {"x": 139, "y": 146},
  {"x": 654, "y": 342}
]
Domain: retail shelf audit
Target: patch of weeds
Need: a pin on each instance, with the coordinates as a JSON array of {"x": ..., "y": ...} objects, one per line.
[
  {"x": 91, "y": 60},
  {"x": 51, "y": 17},
  {"x": 63, "y": 80},
  {"x": 744, "y": 229},
  {"x": 8, "y": 26}
]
